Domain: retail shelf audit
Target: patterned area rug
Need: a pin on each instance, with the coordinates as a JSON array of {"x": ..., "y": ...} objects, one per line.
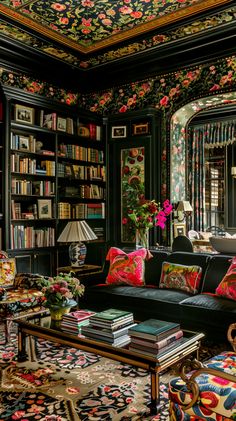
[{"x": 64, "y": 384}]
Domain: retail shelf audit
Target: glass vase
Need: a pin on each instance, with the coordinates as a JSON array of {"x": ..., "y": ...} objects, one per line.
[{"x": 142, "y": 238}]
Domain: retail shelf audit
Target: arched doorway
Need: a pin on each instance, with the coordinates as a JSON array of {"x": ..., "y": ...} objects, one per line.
[
  {"x": 178, "y": 160},
  {"x": 179, "y": 121}
]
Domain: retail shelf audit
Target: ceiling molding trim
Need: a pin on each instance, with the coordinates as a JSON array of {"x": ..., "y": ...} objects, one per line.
[{"x": 173, "y": 17}]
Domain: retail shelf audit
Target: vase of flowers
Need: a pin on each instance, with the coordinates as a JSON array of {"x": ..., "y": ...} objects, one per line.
[
  {"x": 146, "y": 215},
  {"x": 142, "y": 238},
  {"x": 61, "y": 293}
]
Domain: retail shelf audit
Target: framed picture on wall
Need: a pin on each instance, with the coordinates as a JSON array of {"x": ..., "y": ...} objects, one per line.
[
  {"x": 118, "y": 132},
  {"x": 179, "y": 229},
  {"x": 140, "y": 129}
]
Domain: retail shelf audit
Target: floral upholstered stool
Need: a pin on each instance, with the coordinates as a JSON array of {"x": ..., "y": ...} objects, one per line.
[{"x": 208, "y": 392}]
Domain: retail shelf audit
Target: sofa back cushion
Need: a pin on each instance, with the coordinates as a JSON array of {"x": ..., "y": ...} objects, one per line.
[
  {"x": 153, "y": 267},
  {"x": 216, "y": 270}
]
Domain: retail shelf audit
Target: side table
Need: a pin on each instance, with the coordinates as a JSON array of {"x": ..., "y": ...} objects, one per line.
[{"x": 85, "y": 269}]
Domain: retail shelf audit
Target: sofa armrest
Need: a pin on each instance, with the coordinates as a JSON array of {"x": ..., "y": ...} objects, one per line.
[
  {"x": 232, "y": 339},
  {"x": 199, "y": 369}
]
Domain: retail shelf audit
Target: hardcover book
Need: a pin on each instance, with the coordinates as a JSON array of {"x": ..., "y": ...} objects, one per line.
[
  {"x": 111, "y": 315},
  {"x": 154, "y": 329}
]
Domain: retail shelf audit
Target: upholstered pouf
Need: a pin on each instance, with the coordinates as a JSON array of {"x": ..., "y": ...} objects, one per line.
[{"x": 217, "y": 396}]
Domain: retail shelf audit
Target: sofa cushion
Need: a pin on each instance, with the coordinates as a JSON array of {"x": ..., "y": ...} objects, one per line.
[
  {"x": 126, "y": 268},
  {"x": 227, "y": 287},
  {"x": 205, "y": 312},
  {"x": 186, "y": 278}
]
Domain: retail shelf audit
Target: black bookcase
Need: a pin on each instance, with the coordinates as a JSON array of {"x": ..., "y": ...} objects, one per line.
[{"x": 52, "y": 171}]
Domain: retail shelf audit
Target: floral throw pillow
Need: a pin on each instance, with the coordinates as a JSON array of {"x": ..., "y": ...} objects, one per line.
[
  {"x": 7, "y": 272},
  {"x": 126, "y": 268},
  {"x": 185, "y": 278},
  {"x": 227, "y": 287}
]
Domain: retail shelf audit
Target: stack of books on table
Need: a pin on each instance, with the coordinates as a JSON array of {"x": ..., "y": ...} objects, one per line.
[
  {"x": 153, "y": 337},
  {"x": 110, "y": 326},
  {"x": 72, "y": 322}
]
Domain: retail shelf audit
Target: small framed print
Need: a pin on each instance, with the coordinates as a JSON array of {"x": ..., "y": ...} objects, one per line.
[
  {"x": 61, "y": 124},
  {"x": 179, "y": 229},
  {"x": 118, "y": 132},
  {"x": 139, "y": 129},
  {"x": 44, "y": 208},
  {"x": 24, "y": 144},
  {"x": 24, "y": 114}
]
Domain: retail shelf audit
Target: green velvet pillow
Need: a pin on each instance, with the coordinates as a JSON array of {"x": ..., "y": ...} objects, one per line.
[{"x": 185, "y": 278}]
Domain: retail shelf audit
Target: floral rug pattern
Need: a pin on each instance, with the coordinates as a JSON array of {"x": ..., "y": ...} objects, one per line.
[{"x": 64, "y": 384}]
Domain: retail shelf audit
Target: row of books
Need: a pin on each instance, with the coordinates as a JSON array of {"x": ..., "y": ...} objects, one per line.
[
  {"x": 29, "y": 237},
  {"x": 83, "y": 191},
  {"x": 80, "y": 153},
  {"x": 33, "y": 188},
  {"x": 153, "y": 336},
  {"x": 81, "y": 172},
  {"x": 81, "y": 210},
  {"x": 23, "y": 143},
  {"x": 32, "y": 166}
]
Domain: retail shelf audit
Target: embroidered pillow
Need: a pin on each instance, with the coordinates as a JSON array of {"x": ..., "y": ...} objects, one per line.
[
  {"x": 185, "y": 278},
  {"x": 227, "y": 287},
  {"x": 126, "y": 268}
]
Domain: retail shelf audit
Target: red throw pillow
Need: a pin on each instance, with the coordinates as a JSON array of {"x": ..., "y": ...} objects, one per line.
[
  {"x": 126, "y": 268},
  {"x": 227, "y": 287}
]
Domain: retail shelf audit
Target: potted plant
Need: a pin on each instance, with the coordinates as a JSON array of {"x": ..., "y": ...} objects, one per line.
[{"x": 61, "y": 293}]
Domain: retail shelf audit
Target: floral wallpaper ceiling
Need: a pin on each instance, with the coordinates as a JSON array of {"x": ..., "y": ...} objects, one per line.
[{"x": 90, "y": 25}]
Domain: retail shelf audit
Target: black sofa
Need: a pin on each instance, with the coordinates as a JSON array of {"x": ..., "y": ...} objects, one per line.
[{"x": 203, "y": 312}]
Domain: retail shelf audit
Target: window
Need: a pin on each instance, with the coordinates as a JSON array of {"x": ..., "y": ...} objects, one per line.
[{"x": 215, "y": 186}]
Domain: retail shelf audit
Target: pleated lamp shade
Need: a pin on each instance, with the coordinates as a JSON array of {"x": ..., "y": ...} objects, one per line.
[{"x": 75, "y": 232}]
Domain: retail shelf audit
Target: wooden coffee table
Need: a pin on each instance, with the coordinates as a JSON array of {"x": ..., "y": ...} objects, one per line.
[{"x": 42, "y": 328}]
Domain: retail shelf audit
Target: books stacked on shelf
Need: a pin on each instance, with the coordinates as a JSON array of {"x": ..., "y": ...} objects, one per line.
[
  {"x": 110, "y": 326},
  {"x": 72, "y": 322},
  {"x": 153, "y": 336}
]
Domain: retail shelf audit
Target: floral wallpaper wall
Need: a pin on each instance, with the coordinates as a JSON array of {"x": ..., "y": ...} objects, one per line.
[{"x": 167, "y": 93}]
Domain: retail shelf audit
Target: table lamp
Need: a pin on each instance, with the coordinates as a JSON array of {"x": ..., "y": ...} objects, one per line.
[
  {"x": 185, "y": 209},
  {"x": 75, "y": 232}
]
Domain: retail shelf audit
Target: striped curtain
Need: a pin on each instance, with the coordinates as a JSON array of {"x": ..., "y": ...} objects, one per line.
[{"x": 209, "y": 135}]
